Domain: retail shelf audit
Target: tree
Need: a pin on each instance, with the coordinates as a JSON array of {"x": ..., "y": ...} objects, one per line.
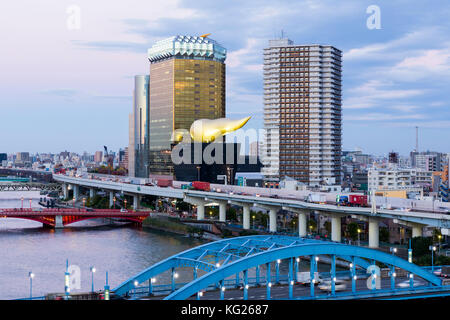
[
  {"x": 352, "y": 230},
  {"x": 420, "y": 246},
  {"x": 231, "y": 214},
  {"x": 384, "y": 235}
]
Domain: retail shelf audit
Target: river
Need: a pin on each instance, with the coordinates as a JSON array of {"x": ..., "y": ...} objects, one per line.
[{"x": 123, "y": 251}]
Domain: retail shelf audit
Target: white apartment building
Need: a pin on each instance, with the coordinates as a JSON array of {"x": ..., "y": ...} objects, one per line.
[
  {"x": 396, "y": 178},
  {"x": 302, "y": 112}
]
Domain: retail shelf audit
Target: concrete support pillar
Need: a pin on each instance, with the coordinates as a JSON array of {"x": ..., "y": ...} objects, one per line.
[
  {"x": 58, "y": 222},
  {"x": 91, "y": 193},
  {"x": 302, "y": 224},
  {"x": 111, "y": 199},
  {"x": 64, "y": 190},
  {"x": 374, "y": 233},
  {"x": 136, "y": 201},
  {"x": 417, "y": 230},
  {"x": 336, "y": 228},
  {"x": 246, "y": 216},
  {"x": 273, "y": 220},
  {"x": 76, "y": 192},
  {"x": 302, "y": 220},
  {"x": 200, "y": 211},
  {"x": 222, "y": 211},
  {"x": 200, "y": 203}
]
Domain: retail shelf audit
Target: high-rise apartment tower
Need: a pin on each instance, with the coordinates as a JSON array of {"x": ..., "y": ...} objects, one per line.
[{"x": 302, "y": 112}]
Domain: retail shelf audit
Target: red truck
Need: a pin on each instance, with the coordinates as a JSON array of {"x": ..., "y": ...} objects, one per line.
[
  {"x": 357, "y": 200},
  {"x": 200, "y": 185},
  {"x": 164, "y": 183}
]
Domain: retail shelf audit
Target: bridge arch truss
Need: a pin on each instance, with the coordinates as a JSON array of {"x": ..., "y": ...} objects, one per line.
[{"x": 223, "y": 259}]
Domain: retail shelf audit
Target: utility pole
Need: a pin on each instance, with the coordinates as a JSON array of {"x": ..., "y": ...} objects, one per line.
[{"x": 417, "y": 139}]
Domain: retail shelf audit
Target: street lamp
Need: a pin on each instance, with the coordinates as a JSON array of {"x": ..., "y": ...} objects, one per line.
[
  {"x": 30, "y": 203},
  {"x": 22, "y": 202},
  {"x": 393, "y": 250},
  {"x": 432, "y": 249},
  {"x": 253, "y": 217},
  {"x": 84, "y": 202},
  {"x": 439, "y": 244},
  {"x": 198, "y": 173},
  {"x": 114, "y": 201},
  {"x": 125, "y": 202},
  {"x": 359, "y": 239},
  {"x": 31, "y": 276},
  {"x": 92, "y": 277}
]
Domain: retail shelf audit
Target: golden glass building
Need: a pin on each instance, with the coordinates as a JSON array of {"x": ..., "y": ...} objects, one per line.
[{"x": 187, "y": 82}]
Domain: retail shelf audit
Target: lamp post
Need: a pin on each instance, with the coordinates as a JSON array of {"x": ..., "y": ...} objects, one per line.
[
  {"x": 359, "y": 239},
  {"x": 30, "y": 203},
  {"x": 393, "y": 250},
  {"x": 125, "y": 202},
  {"x": 253, "y": 217},
  {"x": 432, "y": 249},
  {"x": 198, "y": 173},
  {"x": 22, "y": 202},
  {"x": 31, "y": 276},
  {"x": 439, "y": 243},
  {"x": 84, "y": 202},
  {"x": 92, "y": 277}
]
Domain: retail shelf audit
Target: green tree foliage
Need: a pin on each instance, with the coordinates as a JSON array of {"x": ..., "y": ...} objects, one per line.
[
  {"x": 384, "y": 235},
  {"x": 231, "y": 214},
  {"x": 352, "y": 230},
  {"x": 420, "y": 246}
]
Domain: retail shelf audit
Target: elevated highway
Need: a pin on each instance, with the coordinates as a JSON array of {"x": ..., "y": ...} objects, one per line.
[{"x": 414, "y": 219}]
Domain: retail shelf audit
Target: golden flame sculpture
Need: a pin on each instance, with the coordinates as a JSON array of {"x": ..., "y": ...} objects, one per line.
[{"x": 205, "y": 130}]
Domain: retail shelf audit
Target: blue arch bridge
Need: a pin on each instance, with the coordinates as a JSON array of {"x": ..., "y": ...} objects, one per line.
[{"x": 222, "y": 269}]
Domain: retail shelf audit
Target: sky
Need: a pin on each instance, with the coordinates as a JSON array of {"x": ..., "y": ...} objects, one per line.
[{"x": 67, "y": 67}]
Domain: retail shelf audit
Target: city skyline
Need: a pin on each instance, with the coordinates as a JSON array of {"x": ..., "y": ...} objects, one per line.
[{"x": 394, "y": 78}]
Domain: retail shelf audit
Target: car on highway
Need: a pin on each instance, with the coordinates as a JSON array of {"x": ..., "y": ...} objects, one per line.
[
  {"x": 406, "y": 284},
  {"x": 340, "y": 285}
]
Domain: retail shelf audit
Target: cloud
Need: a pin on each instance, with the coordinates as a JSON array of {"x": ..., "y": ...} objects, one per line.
[
  {"x": 376, "y": 93},
  {"x": 383, "y": 117}
]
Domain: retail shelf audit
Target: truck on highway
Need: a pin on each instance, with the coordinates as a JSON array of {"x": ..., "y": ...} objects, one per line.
[
  {"x": 357, "y": 200},
  {"x": 200, "y": 185},
  {"x": 139, "y": 181},
  {"x": 305, "y": 278},
  {"x": 163, "y": 183},
  {"x": 317, "y": 198}
]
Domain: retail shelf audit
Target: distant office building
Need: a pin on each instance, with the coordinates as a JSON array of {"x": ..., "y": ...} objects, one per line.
[
  {"x": 393, "y": 157},
  {"x": 123, "y": 158},
  {"x": 22, "y": 157},
  {"x": 139, "y": 129},
  {"x": 3, "y": 157},
  {"x": 186, "y": 83},
  {"x": 395, "y": 178},
  {"x": 302, "y": 112},
  {"x": 428, "y": 160},
  {"x": 98, "y": 156},
  {"x": 360, "y": 181}
]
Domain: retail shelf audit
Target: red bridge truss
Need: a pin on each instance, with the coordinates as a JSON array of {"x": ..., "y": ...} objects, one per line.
[{"x": 72, "y": 215}]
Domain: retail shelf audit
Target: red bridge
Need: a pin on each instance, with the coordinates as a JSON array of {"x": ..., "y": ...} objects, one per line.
[{"x": 58, "y": 217}]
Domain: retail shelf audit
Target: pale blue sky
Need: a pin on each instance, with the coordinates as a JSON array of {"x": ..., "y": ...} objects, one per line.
[{"x": 71, "y": 89}]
